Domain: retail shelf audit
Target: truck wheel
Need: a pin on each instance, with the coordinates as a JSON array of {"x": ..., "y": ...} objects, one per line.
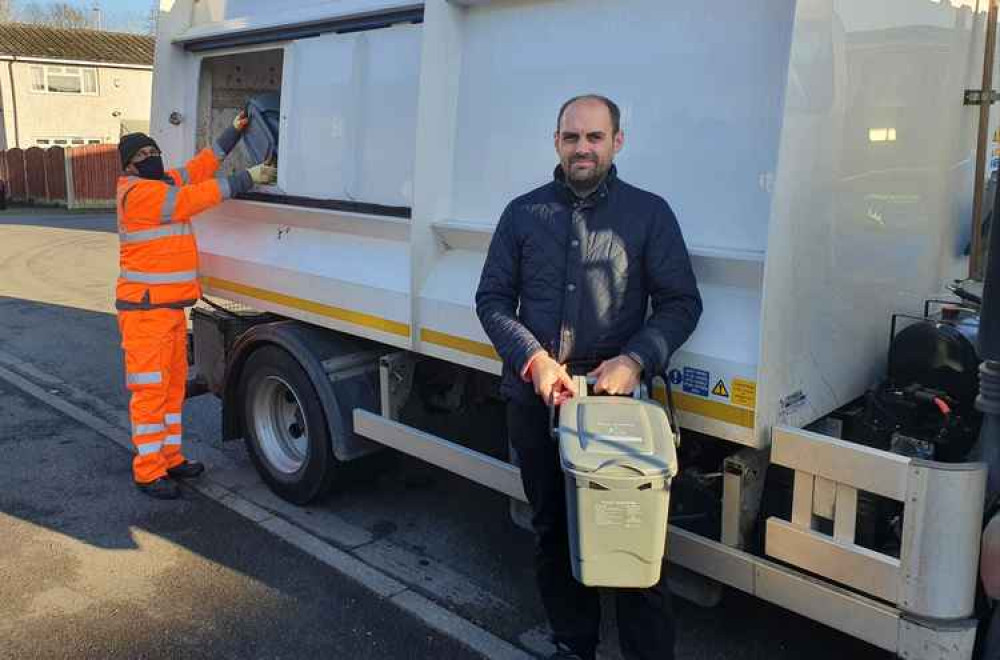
[{"x": 285, "y": 428}]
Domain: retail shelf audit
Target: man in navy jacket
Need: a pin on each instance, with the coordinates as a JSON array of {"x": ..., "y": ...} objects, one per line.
[{"x": 565, "y": 290}]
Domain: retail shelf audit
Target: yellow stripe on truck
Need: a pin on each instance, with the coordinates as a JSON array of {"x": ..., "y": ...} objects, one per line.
[
  {"x": 714, "y": 410},
  {"x": 338, "y": 313},
  {"x": 458, "y": 344},
  {"x": 692, "y": 404}
]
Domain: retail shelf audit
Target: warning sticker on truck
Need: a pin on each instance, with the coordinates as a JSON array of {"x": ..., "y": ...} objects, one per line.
[
  {"x": 744, "y": 393},
  {"x": 711, "y": 389},
  {"x": 696, "y": 381},
  {"x": 720, "y": 389}
]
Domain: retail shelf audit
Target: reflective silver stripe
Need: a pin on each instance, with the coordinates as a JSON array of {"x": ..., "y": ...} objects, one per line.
[
  {"x": 224, "y": 187},
  {"x": 169, "y": 204},
  {"x": 173, "y": 418},
  {"x": 219, "y": 152},
  {"x": 175, "y": 277},
  {"x": 175, "y": 229},
  {"x": 185, "y": 177},
  {"x": 145, "y": 378},
  {"x": 172, "y": 440},
  {"x": 147, "y": 429},
  {"x": 148, "y": 448}
]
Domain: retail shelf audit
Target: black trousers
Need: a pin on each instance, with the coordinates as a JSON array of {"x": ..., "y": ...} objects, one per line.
[{"x": 645, "y": 616}]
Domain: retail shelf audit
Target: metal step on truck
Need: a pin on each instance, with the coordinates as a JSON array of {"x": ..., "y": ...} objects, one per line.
[{"x": 821, "y": 158}]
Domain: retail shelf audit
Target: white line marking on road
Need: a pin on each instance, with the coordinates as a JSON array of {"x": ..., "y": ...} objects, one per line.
[
  {"x": 354, "y": 568},
  {"x": 116, "y": 434},
  {"x": 248, "y": 510},
  {"x": 434, "y": 578},
  {"x": 456, "y": 627},
  {"x": 538, "y": 640},
  {"x": 319, "y": 521},
  {"x": 437, "y": 617}
]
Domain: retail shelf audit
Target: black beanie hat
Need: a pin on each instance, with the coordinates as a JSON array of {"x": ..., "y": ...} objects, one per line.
[{"x": 131, "y": 143}]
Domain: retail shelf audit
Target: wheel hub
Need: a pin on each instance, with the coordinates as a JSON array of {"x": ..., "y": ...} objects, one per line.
[{"x": 279, "y": 425}]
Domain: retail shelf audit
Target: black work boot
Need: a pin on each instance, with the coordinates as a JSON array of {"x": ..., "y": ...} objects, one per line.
[
  {"x": 186, "y": 470},
  {"x": 161, "y": 489}
]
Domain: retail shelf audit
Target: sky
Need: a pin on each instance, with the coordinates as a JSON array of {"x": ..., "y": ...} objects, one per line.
[
  {"x": 123, "y": 15},
  {"x": 118, "y": 15}
]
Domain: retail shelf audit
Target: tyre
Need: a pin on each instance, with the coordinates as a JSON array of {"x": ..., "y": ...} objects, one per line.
[{"x": 285, "y": 428}]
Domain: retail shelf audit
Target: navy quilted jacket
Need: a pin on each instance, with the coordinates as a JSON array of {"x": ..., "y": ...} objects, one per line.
[{"x": 575, "y": 277}]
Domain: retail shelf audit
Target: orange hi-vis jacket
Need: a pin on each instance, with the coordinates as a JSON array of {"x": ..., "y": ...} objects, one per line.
[{"x": 159, "y": 256}]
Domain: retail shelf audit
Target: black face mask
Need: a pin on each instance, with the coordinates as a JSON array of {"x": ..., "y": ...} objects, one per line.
[{"x": 150, "y": 168}]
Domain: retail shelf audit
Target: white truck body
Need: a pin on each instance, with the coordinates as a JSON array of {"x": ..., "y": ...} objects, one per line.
[{"x": 816, "y": 152}]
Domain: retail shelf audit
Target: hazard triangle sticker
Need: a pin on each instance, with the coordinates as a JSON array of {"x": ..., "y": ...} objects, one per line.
[{"x": 720, "y": 389}]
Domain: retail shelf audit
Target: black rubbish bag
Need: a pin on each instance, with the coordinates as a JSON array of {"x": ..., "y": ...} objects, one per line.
[{"x": 261, "y": 136}]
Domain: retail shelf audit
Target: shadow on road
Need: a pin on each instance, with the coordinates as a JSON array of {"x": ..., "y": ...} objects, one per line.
[{"x": 42, "y": 216}]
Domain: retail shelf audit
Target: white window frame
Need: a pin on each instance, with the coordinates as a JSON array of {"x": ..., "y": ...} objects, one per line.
[
  {"x": 63, "y": 70},
  {"x": 67, "y": 141}
]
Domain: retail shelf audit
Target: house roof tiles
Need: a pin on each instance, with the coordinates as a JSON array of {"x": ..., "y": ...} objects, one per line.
[{"x": 24, "y": 40}]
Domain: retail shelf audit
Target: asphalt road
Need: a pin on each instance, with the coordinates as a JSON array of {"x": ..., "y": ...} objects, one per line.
[
  {"x": 90, "y": 568},
  {"x": 442, "y": 538}
]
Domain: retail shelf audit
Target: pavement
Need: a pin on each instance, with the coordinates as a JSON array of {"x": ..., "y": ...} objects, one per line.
[{"x": 402, "y": 560}]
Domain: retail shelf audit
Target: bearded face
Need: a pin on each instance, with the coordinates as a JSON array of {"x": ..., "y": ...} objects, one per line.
[{"x": 587, "y": 144}]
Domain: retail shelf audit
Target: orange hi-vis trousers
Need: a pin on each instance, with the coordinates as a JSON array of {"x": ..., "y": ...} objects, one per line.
[{"x": 155, "y": 345}]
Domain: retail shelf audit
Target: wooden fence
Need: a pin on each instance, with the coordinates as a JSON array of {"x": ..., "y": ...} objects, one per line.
[{"x": 77, "y": 177}]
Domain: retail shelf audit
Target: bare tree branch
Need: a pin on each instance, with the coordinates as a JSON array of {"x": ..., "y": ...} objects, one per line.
[
  {"x": 152, "y": 18},
  {"x": 6, "y": 10},
  {"x": 60, "y": 14}
]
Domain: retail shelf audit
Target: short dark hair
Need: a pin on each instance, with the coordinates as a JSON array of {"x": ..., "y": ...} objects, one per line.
[{"x": 613, "y": 110}]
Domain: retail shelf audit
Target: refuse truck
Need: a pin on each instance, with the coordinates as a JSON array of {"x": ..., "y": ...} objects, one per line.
[{"x": 821, "y": 157}]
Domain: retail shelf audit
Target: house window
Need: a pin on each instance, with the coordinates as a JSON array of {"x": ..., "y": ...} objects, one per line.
[
  {"x": 37, "y": 79},
  {"x": 69, "y": 141},
  {"x": 64, "y": 80}
]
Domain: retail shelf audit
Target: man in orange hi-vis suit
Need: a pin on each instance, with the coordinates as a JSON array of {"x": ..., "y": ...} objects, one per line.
[{"x": 158, "y": 280}]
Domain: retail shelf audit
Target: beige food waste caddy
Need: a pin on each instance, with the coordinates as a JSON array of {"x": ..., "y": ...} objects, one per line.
[{"x": 619, "y": 458}]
